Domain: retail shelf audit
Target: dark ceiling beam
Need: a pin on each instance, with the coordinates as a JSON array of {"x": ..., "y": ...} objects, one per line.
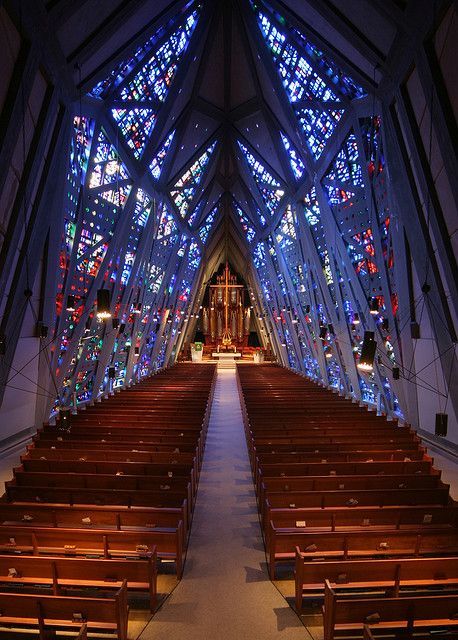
[
  {"x": 31, "y": 20},
  {"x": 61, "y": 11},
  {"x": 208, "y": 108},
  {"x": 95, "y": 40},
  {"x": 406, "y": 46},
  {"x": 392, "y": 13},
  {"x": 349, "y": 31},
  {"x": 246, "y": 109}
]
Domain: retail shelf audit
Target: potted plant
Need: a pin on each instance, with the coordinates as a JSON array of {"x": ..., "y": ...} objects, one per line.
[{"x": 197, "y": 351}]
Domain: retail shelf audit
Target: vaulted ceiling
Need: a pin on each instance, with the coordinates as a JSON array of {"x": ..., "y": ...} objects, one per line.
[{"x": 225, "y": 88}]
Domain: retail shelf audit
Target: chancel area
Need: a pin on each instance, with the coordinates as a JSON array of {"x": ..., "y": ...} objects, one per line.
[{"x": 228, "y": 319}]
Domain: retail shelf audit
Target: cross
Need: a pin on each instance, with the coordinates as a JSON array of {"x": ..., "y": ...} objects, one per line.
[{"x": 227, "y": 337}]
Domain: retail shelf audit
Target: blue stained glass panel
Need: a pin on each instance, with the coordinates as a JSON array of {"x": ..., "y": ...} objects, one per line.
[
  {"x": 136, "y": 126},
  {"x": 245, "y": 222},
  {"x": 318, "y": 126},
  {"x": 269, "y": 187},
  {"x": 158, "y": 160},
  {"x": 208, "y": 224},
  {"x": 295, "y": 160},
  {"x": 153, "y": 80},
  {"x": 185, "y": 188}
]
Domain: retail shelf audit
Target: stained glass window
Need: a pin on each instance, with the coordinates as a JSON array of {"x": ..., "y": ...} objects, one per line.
[
  {"x": 269, "y": 187},
  {"x": 125, "y": 67},
  {"x": 343, "y": 83},
  {"x": 153, "y": 80},
  {"x": 167, "y": 224},
  {"x": 297, "y": 165},
  {"x": 136, "y": 126},
  {"x": 316, "y": 104},
  {"x": 185, "y": 188},
  {"x": 245, "y": 222},
  {"x": 318, "y": 126},
  {"x": 107, "y": 166},
  {"x": 158, "y": 160},
  {"x": 286, "y": 230},
  {"x": 208, "y": 224}
]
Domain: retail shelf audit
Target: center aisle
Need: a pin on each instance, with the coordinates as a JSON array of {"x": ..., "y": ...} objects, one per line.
[{"x": 225, "y": 591}]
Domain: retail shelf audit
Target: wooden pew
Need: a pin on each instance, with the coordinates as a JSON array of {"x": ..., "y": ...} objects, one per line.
[
  {"x": 109, "y": 615},
  {"x": 360, "y": 543},
  {"x": 82, "y": 480},
  {"x": 102, "y": 455},
  {"x": 372, "y": 633},
  {"x": 103, "y": 543},
  {"x": 63, "y": 573},
  {"x": 388, "y": 573},
  {"x": 341, "y": 518},
  {"x": 89, "y": 517},
  {"x": 343, "y": 498},
  {"x": 342, "y": 614}
]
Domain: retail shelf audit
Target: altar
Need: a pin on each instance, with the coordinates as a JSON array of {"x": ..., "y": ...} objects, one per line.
[
  {"x": 226, "y": 355},
  {"x": 226, "y": 359}
]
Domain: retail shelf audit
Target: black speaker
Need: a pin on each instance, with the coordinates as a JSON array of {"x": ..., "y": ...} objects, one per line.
[
  {"x": 111, "y": 373},
  {"x": 396, "y": 373},
  {"x": 115, "y": 323},
  {"x": 323, "y": 332},
  {"x": 414, "y": 330},
  {"x": 41, "y": 330},
  {"x": 441, "y": 424}
]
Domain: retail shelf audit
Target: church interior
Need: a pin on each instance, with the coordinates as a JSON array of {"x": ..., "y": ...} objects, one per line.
[{"x": 228, "y": 319}]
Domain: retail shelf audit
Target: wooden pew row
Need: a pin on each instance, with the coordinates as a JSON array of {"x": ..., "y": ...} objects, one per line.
[
  {"x": 372, "y": 633},
  {"x": 355, "y": 482},
  {"x": 341, "y": 614},
  {"x": 91, "y": 517},
  {"x": 354, "y": 439},
  {"x": 132, "y": 435},
  {"x": 258, "y": 460},
  {"x": 357, "y": 497},
  {"x": 104, "y": 455},
  {"x": 106, "y": 467},
  {"x": 83, "y": 480},
  {"x": 360, "y": 543},
  {"x": 395, "y": 574},
  {"x": 112, "y": 497},
  {"x": 63, "y": 574},
  {"x": 284, "y": 471},
  {"x": 103, "y": 543},
  {"x": 386, "y": 467},
  {"x": 341, "y": 518},
  {"x": 121, "y": 448},
  {"x": 89, "y": 446},
  {"x": 109, "y": 615}
]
